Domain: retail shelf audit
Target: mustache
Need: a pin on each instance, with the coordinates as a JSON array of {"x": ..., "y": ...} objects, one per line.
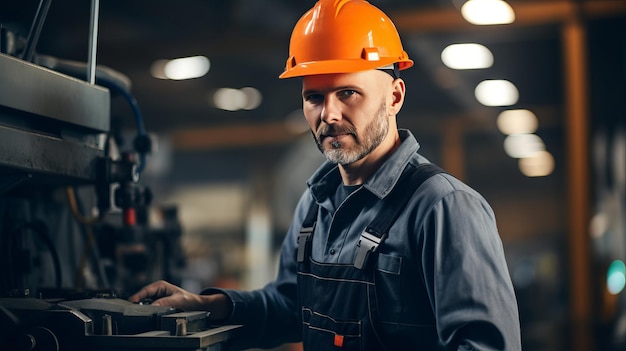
[{"x": 334, "y": 129}]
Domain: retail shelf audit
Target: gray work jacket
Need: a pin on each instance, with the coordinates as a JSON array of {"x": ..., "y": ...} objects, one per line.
[{"x": 443, "y": 262}]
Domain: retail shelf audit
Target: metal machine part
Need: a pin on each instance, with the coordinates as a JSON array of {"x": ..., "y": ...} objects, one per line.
[
  {"x": 51, "y": 125},
  {"x": 105, "y": 324}
]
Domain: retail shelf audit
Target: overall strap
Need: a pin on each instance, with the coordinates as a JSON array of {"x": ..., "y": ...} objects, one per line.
[
  {"x": 376, "y": 232},
  {"x": 306, "y": 232}
]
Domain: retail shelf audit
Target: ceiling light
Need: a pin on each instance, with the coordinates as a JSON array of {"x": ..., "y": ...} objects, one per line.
[
  {"x": 523, "y": 145},
  {"x": 487, "y": 12},
  {"x": 157, "y": 68},
  {"x": 230, "y": 99},
  {"x": 467, "y": 56},
  {"x": 539, "y": 164},
  {"x": 496, "y": 93},
  {"x": 181, "y": 68},
  {"x": 253, "y": 98},
  {"x": 517, "y": 122}
]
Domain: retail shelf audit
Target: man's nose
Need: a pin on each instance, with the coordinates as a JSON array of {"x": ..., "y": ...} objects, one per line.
[{"x": 331, "y": 110}]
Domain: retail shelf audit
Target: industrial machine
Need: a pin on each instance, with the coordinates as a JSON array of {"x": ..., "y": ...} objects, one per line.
[
  {"x": 75, "y": 240},
  {"x": 105, "y": 323}
]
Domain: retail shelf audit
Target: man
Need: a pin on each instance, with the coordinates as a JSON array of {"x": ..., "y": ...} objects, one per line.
[{"x": 428, "y": 274}]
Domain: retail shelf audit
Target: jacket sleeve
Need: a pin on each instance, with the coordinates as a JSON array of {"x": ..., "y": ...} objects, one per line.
[
  {"x": 467, "y": 276},
  {"x": 269, "y": 315}
]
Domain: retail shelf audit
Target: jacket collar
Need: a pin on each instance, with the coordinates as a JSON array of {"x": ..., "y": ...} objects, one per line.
[{"x": 326, "y": 178}]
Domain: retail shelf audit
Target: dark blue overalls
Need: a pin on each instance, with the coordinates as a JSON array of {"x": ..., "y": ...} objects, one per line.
[{"x": 338, "y": 302}]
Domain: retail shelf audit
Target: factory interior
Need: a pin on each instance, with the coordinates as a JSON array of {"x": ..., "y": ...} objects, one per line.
[{"x": 148, "y": 140}]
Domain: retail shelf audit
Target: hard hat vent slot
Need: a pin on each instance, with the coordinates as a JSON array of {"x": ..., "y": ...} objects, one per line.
[{"x": 370, "y": 54}]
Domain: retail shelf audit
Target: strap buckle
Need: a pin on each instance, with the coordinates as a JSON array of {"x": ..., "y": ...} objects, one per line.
[
  {"x": 303, "y": 239},
  {"x": 368, "y": 242}
]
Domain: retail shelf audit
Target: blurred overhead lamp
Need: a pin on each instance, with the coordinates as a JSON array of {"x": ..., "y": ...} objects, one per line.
[
  {"x": 230, "y": 99},
  {"x": 487, "y": 12},
  {"x": 253, "y": 98},
  {"x": 523, "y": 145},
  {"x": 467, "y": 56},
  {"x": 181, "y": 68},
  {"x": 539, "y": 164},
  {"x": 517, "y": 122},
  {"x": 496, "y": 93}
]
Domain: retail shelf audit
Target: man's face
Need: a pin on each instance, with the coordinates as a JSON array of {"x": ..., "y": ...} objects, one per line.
[{"x": 347, "y": 113}]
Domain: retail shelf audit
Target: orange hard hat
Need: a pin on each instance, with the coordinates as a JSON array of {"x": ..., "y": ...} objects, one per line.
[{"x": 343, "y": 36}]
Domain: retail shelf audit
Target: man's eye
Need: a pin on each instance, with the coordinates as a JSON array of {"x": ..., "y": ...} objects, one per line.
[
  {"x": 346, "y": 93},
  {"x": 314, "y": 98}
]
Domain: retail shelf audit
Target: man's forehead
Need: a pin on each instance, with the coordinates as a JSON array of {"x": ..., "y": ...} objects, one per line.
[{"x": 334, "y": 80}]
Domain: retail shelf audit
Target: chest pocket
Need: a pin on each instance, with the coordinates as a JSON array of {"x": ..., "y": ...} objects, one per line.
[{"x": 388, "y": 264}]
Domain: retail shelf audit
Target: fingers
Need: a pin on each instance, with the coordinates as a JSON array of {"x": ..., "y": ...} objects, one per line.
[
  {"x": 181, "y": 299},
  {"x": 165, "y": 294},
  {"x": 157, "y": 289},
  {"x": 167, "y": 301}
]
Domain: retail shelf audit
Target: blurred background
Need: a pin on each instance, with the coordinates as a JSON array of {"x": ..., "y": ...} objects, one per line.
[{"x": 523, "y": 100}]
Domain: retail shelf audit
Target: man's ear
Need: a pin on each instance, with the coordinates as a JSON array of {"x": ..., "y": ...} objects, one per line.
[{"x": 397, "y": 94}]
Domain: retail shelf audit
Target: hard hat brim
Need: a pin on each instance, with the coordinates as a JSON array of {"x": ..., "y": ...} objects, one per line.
[{"x": 341, "y": 66}]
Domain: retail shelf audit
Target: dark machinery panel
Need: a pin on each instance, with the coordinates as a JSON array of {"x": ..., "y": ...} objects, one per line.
[
  {"x": 105, "y": 324},
  {"x": 37, "y": 90},
  {"x": 51, "y": 125}
]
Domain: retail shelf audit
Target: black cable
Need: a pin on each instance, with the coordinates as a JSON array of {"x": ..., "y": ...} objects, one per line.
[
  {"x": 108, "y": 78},
  {"x": 141, "y": 130}
]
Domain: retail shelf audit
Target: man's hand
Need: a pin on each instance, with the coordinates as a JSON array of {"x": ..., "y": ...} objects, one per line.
[{"x": 166, "y": 294}]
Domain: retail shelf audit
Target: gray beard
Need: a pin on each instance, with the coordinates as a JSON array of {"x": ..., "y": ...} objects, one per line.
[{"x": 373, "y": 135}]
